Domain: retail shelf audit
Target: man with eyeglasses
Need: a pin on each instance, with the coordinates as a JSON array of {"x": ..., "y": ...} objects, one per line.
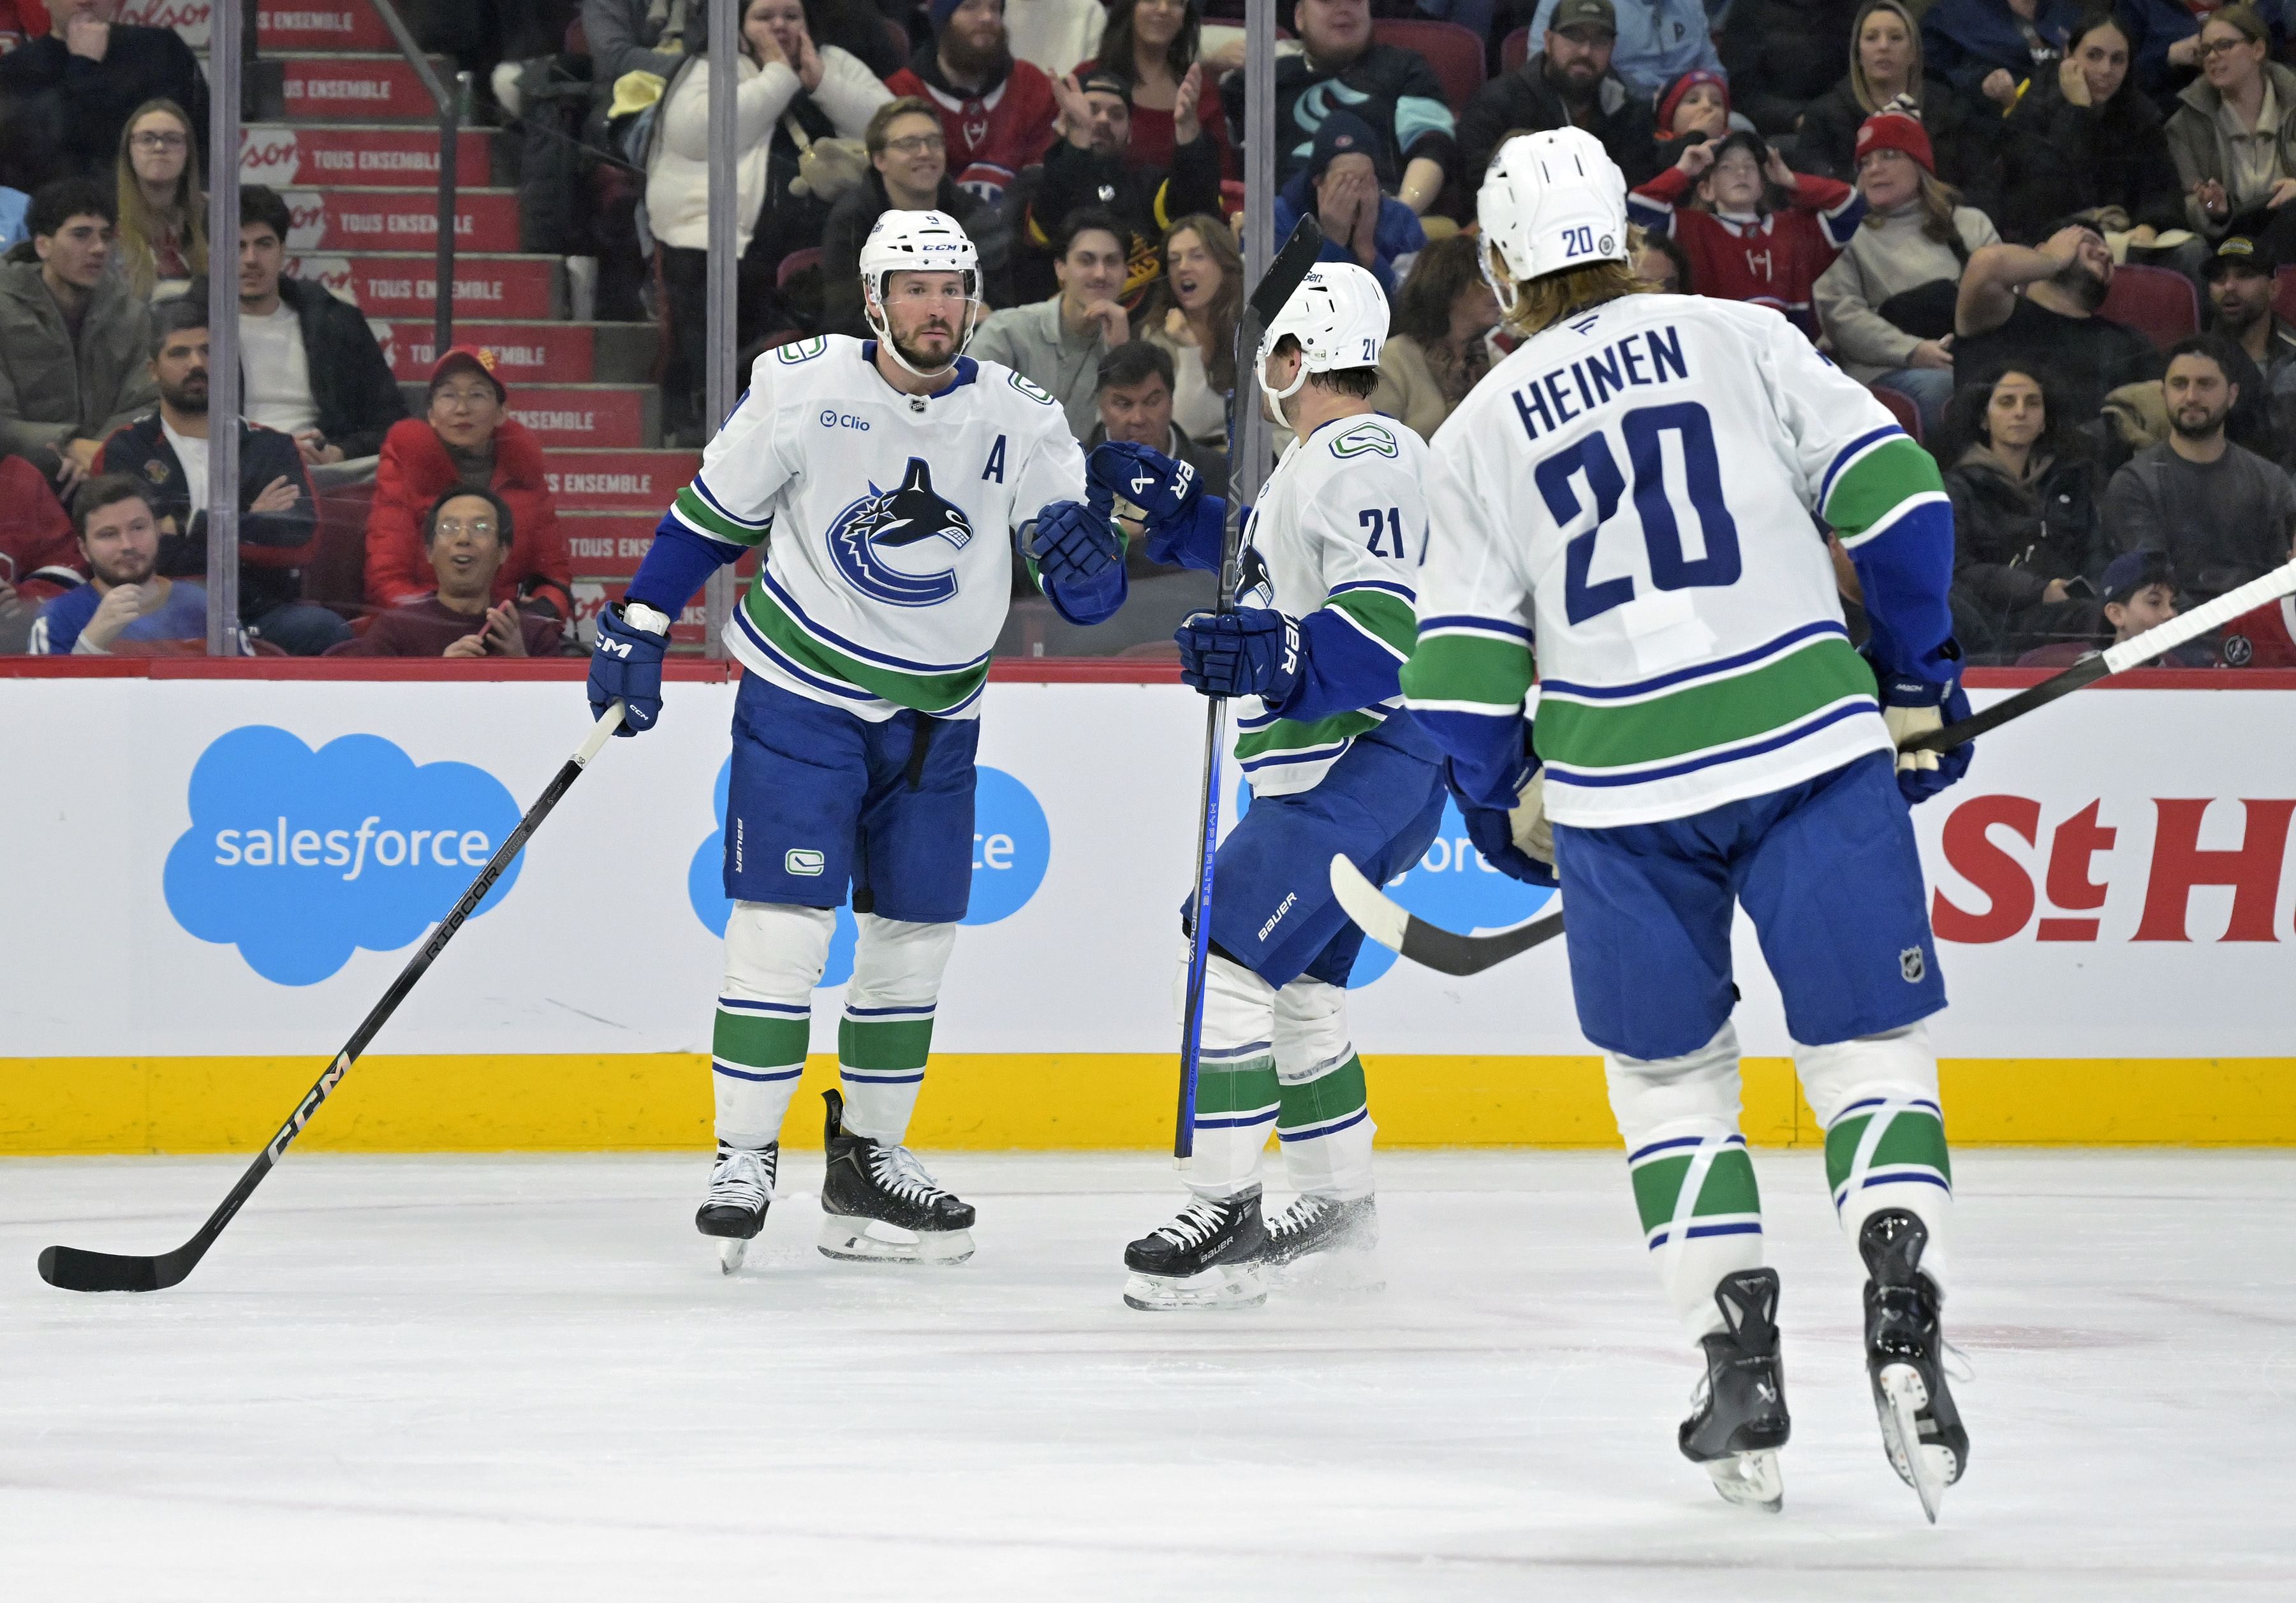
[
  {"x": 908, "y": 160},
  {"x": 467, "y": 537},
  {"x": 74, "y": 90}
]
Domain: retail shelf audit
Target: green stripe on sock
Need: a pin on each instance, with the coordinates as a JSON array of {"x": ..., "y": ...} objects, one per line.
[
  {"x": 754, "y": 1041},
  {"x": 1328, "y": 1096},
  {"x": 1915, "y": 1137},
  {"x": 884, "y": 1043},
  {"x": 1729, "y": 1187},
  {"x": 1236, "y": 1087}
]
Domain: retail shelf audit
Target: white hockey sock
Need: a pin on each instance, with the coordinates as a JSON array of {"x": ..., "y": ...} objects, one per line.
[
  {"x": 1325, "y": 1126},
  {"x": 1877, "y": 1097},
  {"x": 774, "y": 958},
  {"x": 1237, "y": 1092},
  {"x": 1702, "y": 1213},
  {"x": 886, "y": 1035}
]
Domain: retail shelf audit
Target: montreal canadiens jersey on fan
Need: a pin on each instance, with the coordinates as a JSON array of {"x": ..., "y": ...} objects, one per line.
[
  {"x": 1659, "y": 458},
  {"x": 1340, "y": 524},
  {"x": 890, "y": 568}
]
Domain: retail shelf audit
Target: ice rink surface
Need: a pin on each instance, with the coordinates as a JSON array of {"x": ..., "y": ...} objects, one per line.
[{"x": 511, "y": 1379}]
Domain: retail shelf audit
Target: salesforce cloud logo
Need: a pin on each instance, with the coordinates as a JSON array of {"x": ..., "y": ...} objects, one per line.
[
  {"x": 300, "y": 857},
  {"x": 1012, "y": 846}
]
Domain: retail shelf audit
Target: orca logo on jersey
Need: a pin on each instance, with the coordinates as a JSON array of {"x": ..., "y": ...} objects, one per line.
[{"x": 906, "y": 515}]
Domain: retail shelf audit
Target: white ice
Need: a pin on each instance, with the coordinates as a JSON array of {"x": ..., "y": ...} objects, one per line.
[{"x": 510, "y": 1379}]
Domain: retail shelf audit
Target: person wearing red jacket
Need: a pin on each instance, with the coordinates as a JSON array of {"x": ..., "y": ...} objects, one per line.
[
  {"x": 1748, "y": 248},
  {"x": 468, "y": 438},
  {"x": 39, "y": 550},
  {"x": 997, "y": 113}
]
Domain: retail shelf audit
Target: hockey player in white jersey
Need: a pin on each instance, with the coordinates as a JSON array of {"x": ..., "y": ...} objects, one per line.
[
  {"x": 889, "y": 481},
  {"x": 1321, "y": 625},
  {"x": 1629, "y": 496}
]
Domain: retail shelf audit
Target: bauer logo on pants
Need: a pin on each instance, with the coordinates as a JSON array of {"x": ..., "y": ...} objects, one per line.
[{"x": 300, "y": 857}]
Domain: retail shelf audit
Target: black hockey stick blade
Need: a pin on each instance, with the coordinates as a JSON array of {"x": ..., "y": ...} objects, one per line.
[
  {"x": 2079, "y": 676},
  {"x": 1284, "y": 274},
  {"x": 1430, "y": 945},
  {"x": 75, "y": 1269}
]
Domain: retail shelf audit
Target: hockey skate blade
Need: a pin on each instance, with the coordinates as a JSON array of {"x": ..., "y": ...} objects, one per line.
[
  {"x": 731, "y": 1251},
  {"x": 1749, "y": 1480},
  {"x": 1221, "y": 1286},
  {"x": 1926, "y": 1468},
  {"x": 854, "y": 1240},
  {"x": 1340, "y": 1275}
]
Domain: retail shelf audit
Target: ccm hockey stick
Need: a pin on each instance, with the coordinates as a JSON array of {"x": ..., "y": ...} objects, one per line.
[
  {"x": 75, "y": 1269},
  {"x": 1283, "y": 276},
  {"x": 1446, "y": 952}
]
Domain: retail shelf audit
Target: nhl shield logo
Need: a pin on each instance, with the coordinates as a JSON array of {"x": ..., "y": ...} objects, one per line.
[{"x": 1913, "y": 965}]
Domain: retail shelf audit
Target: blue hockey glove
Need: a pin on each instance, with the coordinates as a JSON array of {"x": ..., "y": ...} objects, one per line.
[
  {"x": 1250, "y": 652},
  {"x": 1072, "y": 543},
  {"x": 1166, "y": 490},
  {"x": 1508, "y": 838},
  {"x": 626, "y": 666},
  {"x": 1912, "y": 707}
]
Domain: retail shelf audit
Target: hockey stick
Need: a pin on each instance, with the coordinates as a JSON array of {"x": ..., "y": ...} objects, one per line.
[
  {"x": 1292, "y": 265},
  {"x": 1446, "y": 952},
  {"x": 75, "y": 1269}
]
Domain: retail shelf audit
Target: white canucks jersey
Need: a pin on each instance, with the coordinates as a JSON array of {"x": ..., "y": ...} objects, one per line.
[
  {"x": 1631, "y": 492},
  {"x": 890, "y": 568},
  {"x": 1340, "y": 525}
]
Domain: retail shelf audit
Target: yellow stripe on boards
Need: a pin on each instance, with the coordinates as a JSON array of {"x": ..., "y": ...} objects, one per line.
[{"x": 1068, "y": 1102}]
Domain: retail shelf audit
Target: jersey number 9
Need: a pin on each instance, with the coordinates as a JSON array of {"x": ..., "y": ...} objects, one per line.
[{"x": 1671, "y": 568}]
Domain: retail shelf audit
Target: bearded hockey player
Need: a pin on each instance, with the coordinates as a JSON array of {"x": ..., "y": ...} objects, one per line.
[
  {"x": 1629, "y": 495},
  {"x": 895, "y": 476},
  {"x": 1321, "y": 625}
]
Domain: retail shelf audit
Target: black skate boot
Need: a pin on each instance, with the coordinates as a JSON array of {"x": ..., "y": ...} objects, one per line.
[
  {"x": 1207, "y": 1257},
  {"x": 1905, "y": 1356},
  {"x": 882, "y": 1205},
  {"x": 1323, "y": 1243},
  {"x": 741, "y": 1190},
  {"x": 1740, "y": 1421}
]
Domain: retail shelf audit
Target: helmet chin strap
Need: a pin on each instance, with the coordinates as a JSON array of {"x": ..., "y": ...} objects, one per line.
[
  {"x": 874, "y": 311},
  {"x": 1272, "y": 399}
]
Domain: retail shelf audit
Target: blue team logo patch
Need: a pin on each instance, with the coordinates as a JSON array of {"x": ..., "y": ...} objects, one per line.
[
  {"x": 1012, "y": 846},
  {"x": 300, "y": 857},
  {"x": 906, "y": 515}
]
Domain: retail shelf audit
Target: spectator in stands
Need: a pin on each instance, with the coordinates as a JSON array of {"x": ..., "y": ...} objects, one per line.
[
  {"x": 74, "y": 342},
  {"x": 1153, "y": 45},
  {"x": 1087, "y": 167},
  {"x": 163, "y": 227},
  {"x": 2233, "y": 134},
  {"x": 1661, "y": 263},
  {"x": 127, "y": 602},
  {"x": 2164, "y": 37},
  {"x": 1885, "y": 67},
  {"x": 1772, "y": 230},
  {"x": 908, "y": 162},
  {"x": 1568, "y": 83},
  {"x": 783, "y": 77},
  {"x": 633, "y": 36},
  {"x": 74, "y": 90},
  {"x": 278, "y": 516},
  {"x": 2083, "y": 139},
  {"x": 1059, "y": 343},
  {"x": 2025, "y": 488},
  {"x": 1343, "y": 183},
  {"x": 1784, "y": 55},
  {"x": 1055, "y": 35},
  {"x": 1201, "y": 298},
  {"x": 469, "y": 438},
  {"x": 2036, "y": 308},
  {"x": 1987, "y": 49},
  {"x": 997, "y": 114},
  {"x": 1133, "y": 392},
  {"x": 2140, "y": 593},
  {"x": 39, "y": 551},
  {"x": 2240, "y": 276},
  {"x": 1392, "y": 89},
  {"x": 2223, "y": 514},
  {"x": 1886, "y": 304},
  {"x": 467, "y": 536},
  {"x": 1437, "y": 349},
  {"x": 309, "y": 365},
  {"x": 1657, "y": 40},
  {"x": 1692, "y": 108}
]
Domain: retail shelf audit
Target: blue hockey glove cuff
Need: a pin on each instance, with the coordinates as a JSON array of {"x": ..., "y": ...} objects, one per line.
[
  {"x": 1164, "y": 489},
  {"x": 1912, "y": 707},
  {"x": 1072, "y": 543},
  {"x": 626, "y": 666},
  {"x": 1493, "y": 825},
  {"x": 1251, "y": 653}
]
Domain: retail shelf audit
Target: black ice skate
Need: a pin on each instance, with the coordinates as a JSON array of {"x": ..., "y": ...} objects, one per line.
[
  {"x": 740, "y": 1189},
  {"x": 1905, "y": 1355},
  {"x": 1323, "y": 1243},
  {"x": 1740, "y": 1421},
  {"x": 1207, "y": 1257},
  {"x": 881, "y": 1204}
]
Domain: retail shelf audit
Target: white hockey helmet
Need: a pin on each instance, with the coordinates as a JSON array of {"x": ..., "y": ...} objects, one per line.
[
  {"x": 1550, "y": 202},
  {"x": 1339, "y": 315},
  {"x": 918, "y": 241}
]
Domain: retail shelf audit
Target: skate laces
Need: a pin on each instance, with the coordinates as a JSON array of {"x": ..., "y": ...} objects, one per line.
[
  {"x": 1197, "y": 1224},
  {"x": 743, "y": 1179},
  {"x": 1300, "y": 1216},
  {"x": 896, "y": 1170}
]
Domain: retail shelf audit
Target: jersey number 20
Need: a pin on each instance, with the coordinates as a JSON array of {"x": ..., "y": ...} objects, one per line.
[{"x": 1671, "y": 568}]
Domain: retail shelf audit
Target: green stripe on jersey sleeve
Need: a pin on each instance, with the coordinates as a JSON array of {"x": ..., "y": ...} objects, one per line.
[
  {"x": 1877, "y": 484},
  {"x": 1457, "y": 670},
  {"x": 1702, "y": 717},
  {"x": 1382, "y": 614},
  {"x": 933, "y": 693},
  {"x": 692, "y": 509},
  {"x": 1290, "y": 735}
]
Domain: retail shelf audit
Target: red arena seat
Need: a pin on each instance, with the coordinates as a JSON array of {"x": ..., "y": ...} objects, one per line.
[
  {"x": 1455, "y": 54},
  {"x": 2157, "y": 302},
  {"x": 2283, "y": 293},
  {"x": 795, "y": 263},
  {"x": 1515, "y": 50},
  {"x": 1902, "y": 408}
]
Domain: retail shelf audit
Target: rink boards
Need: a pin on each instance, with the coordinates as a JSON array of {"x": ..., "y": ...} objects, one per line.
[{"x": 213, "y": 878}]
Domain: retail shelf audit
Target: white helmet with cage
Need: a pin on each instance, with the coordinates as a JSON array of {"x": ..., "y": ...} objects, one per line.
[
  {"x": 918, "y": 241},
  {"x": 1339, "y": 315},
  {"x": 1550, "y": 202}
]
